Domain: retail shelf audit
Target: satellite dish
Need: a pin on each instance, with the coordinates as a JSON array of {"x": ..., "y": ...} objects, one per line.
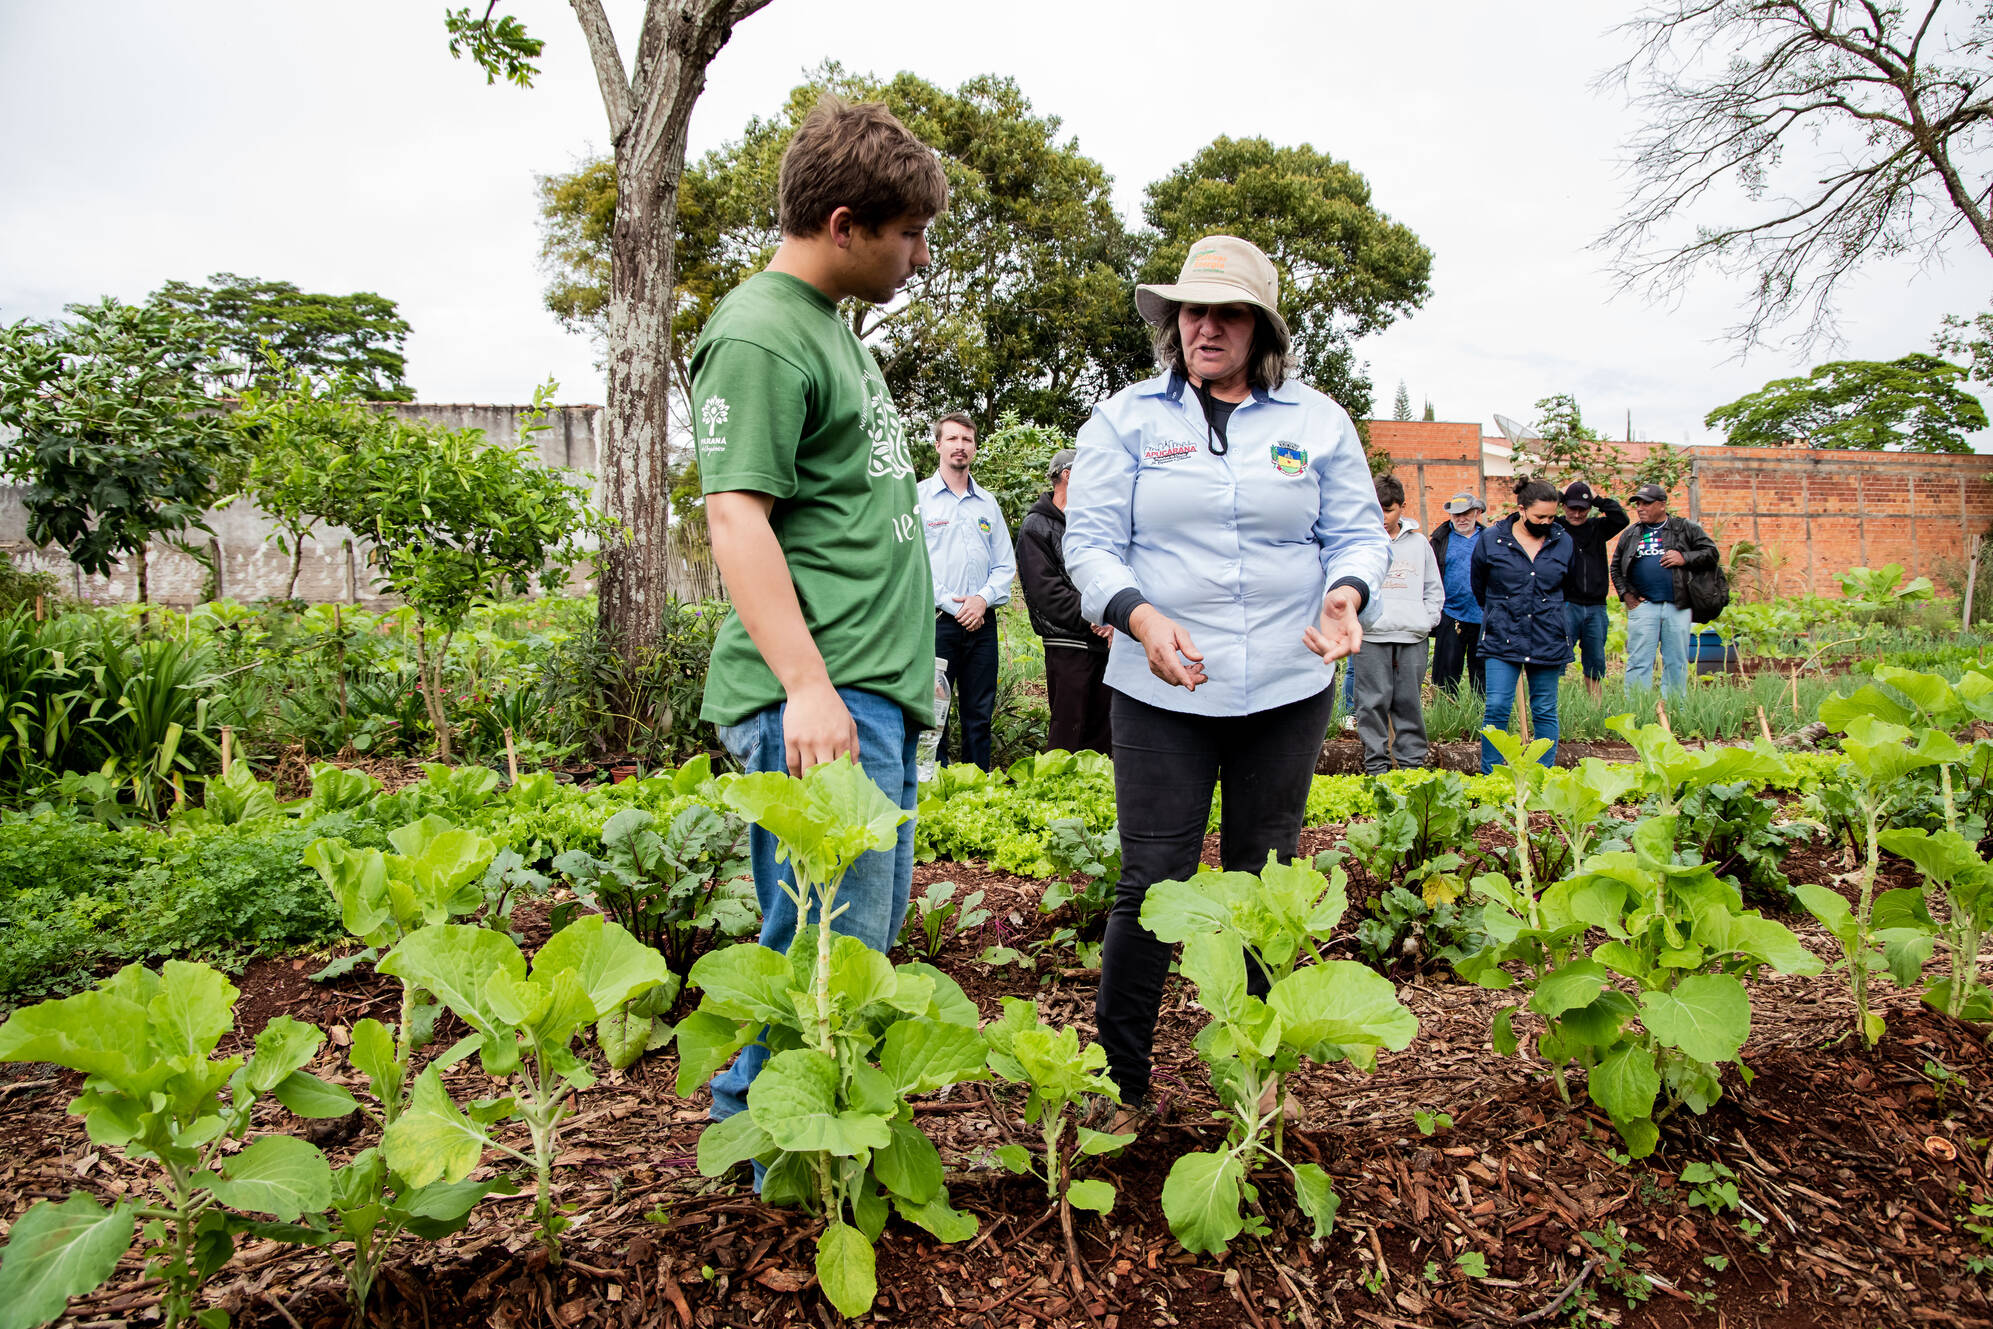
[{"x": 1514, "y": 431}]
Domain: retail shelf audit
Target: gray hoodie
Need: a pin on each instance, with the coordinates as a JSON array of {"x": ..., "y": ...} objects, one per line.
[{"x": 1413, "y": 593}]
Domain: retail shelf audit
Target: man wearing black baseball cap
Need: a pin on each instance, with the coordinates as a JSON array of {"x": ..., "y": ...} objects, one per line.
[
  {"x": 1650, "y": 571},
  {"x": 1590, "y": 521}
]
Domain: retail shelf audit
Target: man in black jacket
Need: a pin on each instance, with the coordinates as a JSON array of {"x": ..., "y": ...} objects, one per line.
[
  {"x": 1588, "y": 583},
  {"x": 1075, "y": 650},
  {"x": 1650, "y": 572}
]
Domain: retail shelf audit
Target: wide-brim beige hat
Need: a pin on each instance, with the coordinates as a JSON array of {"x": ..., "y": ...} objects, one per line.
[{"x": 1219, "y": 270}]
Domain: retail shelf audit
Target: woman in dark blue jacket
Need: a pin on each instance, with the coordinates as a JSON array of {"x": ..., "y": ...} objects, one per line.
[{"x": 1518, "y": 573}]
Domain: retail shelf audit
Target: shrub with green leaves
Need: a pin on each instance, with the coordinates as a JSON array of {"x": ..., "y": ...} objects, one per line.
[
  {"x": 1059, "y": 1074},
  {"x": 154, "y": 1091},
  {"x": 850, "y": 1037},
  {"x": 1328, "y": 1011},
  {"x": 1959, "y": 882}
]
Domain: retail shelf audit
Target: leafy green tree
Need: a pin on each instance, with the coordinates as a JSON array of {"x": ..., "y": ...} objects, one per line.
[
  {"x": 1346, "y": 269},
  {"x": 457, "y": 520},
  {"x": 1025, "y": 308},
  {"x": 1915, "y": 404},
  {"x": 359, "y": 335},
  {"x": 649, "y": 106},
  {"x": 1971, "y": 340},
  {"x": 298, "y": 436},
  {"x": 1401, "y": 406},
  {"x": 1568, "y": 449},
  {"x": 1428, "y": 416},
  {"x": 116, "y": 442}
]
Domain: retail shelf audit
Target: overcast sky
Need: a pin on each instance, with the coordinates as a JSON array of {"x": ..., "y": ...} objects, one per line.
[{"x": 341, "y": 148}]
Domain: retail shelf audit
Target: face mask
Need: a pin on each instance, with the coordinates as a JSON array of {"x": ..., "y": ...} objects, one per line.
[{"x": 1539, "y": 529}]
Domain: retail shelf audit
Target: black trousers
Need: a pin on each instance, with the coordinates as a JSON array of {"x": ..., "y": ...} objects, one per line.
[
  {"x": 1456, "y": 645},
  {"x": 1077, "y": 692},
  {"x": 972, "y": 677},
  {"x": 1165, "y": 765}
]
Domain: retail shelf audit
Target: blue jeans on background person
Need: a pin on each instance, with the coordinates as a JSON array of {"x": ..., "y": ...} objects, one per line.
[
  {"x": 1543, "y": 680},
  {"x": 1650, "y": 625},
  {"x": 875, "y": 887},
  {"x": 1585, "y": 629}
]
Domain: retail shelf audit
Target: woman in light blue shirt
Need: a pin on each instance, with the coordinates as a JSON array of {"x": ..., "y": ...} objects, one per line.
[{"x": 1222, "y": 516}]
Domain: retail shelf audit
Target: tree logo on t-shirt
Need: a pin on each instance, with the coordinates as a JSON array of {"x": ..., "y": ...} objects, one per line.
[
  {"x": 713, "y": 414},
  {"x": 887, "y": 431}
]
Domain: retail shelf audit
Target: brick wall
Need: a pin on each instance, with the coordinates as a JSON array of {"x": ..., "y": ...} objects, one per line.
[{"x": 1819, "y": 513}]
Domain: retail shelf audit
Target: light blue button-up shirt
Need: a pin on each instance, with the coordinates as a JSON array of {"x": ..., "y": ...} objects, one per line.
[
  {"x": 967, "y": 543},
  {"x": 1239, "y": 549}
]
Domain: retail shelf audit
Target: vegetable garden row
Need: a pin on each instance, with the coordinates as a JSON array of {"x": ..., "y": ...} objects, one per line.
[{"x": 1606, "y": 906}]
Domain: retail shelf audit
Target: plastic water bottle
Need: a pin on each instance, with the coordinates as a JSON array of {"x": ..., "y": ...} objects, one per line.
[{"x": 928, "y": 747}]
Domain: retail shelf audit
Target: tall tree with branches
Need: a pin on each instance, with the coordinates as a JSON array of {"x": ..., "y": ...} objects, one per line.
[
  {"x": 1853, "y": 132},
  {"x": 649, "y": 106}
]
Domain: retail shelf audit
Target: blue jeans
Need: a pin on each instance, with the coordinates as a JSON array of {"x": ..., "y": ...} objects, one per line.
[
  {"x": 875, "y": 887},
  {"x": 1649, "y": 625},
  {"x": 1502, "y": 676},
  {"x": 1585, "y": 629}
]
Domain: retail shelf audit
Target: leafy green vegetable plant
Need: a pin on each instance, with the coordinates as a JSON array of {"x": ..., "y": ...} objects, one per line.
[
  {"x": 1677, "y": 932},
  {"x": 153, "y": 1091},
  {"x": 1331, "y": 1010},
  {"x": 1059, "y": 1074},
  {"x": 1415, "y": 827},
  {"x": 936, "y": 915},
  {"x": 1880, "y": 759},
  {"x": 678, "y": 892},
  {"x": 523, "y": 1022},
  {"x": 850, "y": 1036}
]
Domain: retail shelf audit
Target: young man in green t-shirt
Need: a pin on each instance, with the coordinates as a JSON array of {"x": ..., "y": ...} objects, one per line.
[{"x": 811, "y": 502}]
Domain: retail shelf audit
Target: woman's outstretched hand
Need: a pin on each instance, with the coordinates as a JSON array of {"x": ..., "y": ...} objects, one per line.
[
  {"x": 1173, "y": 656},
  {"x": 1338, "y": 634}
]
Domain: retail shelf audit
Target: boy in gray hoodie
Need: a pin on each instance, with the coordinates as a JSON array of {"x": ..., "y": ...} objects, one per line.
[{"x": 1392, "y": 664}]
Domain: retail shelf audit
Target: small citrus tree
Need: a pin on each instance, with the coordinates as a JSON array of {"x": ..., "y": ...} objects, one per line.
[{"x": 457, "y": 519}]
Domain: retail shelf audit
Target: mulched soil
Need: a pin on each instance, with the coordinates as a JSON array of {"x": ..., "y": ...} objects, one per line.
[
  {"x": 1342, "y": 754},
  {"x": 1850, "y": 1168}
]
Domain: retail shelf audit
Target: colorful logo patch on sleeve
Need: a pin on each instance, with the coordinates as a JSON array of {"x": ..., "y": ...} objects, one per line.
[{"x": 1289, "y": 458}]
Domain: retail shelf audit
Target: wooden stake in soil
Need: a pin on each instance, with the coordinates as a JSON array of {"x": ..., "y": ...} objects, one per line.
[
  {"x": 339, "y": 661},
  {"x": 1764, "y": 725},
  {"x": 227, "y": 749},
  {"x": 1795, "y": 687},
  {"x": 511, "y": 758},
  {"x": 1971, "y": 583},
  {"x": 1661, "y": 710},
  {"x": 41, "y": 612}
]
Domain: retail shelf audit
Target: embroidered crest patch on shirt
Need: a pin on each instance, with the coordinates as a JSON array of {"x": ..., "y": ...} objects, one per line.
[{"x": 1289, "y": 458}]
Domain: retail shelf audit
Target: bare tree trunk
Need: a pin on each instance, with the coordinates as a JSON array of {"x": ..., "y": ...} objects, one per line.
[
  {"x": 141, "y": 571},
  {"x": 297, "y": 563},
  {"x": 648, "y": 112}
]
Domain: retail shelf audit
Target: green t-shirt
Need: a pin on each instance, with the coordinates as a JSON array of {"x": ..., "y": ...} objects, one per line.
[{"x": 787, "y": 402}]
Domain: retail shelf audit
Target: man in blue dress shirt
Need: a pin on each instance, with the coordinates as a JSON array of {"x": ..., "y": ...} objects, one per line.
[{"x": 969, "y": 547}]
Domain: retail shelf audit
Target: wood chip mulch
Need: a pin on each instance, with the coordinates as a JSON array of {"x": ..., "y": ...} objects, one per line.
[{"x": 1852, "y": 1171}]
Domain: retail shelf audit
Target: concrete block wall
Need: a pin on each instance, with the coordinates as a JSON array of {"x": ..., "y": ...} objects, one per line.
[
  {"x": 1820, "y": 512},
  {"x": 334, "y": 567}
]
